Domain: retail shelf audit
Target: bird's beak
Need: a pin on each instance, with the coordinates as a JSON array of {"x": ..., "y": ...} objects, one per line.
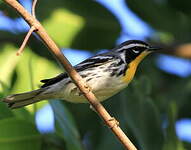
[{"x": 153, "y": 49}]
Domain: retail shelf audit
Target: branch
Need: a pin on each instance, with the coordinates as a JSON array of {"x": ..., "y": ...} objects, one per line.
[
  {"x": 21, "y": 49},
  {"x": 32, "y": 29},
  {"x": 183, "y": 50},
  {"x": 77, "y": 79},
  {"x": 33, "y": 8},
  {"x": 178, "y": 49}
]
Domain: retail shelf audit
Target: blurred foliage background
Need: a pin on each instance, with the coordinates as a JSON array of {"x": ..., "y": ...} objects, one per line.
[{"x": 147, "y": 110}]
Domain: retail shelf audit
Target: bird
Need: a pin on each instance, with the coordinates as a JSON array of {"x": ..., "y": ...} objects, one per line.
[{"x": 106, "y": 74}]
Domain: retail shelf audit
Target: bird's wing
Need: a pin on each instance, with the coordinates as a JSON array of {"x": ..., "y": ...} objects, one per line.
[
  {"x": 54, "y": 80},
  {"x": 92, "y": 62},
  {"x": 95, "y": 61}
]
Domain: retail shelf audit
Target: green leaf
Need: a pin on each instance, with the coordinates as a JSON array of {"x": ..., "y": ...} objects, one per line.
[
  {"x": 8, "y": 62},
  {"x": 51, "y": 141},
  {"x": 5, "y": 111},
  {"x": 105, "y": 140},
  {"x": 23, "y": 114},
  {"x": 172, "y": 142},
  {"x": 170, "y": 17},
  {"x": 7, "y": 10},
  {"x": 142, "y": 86},
  {"x": 142, "y": 116},
  {"x": 183, "y": 6},
  {"x": 65, "y": 126},
  {"x": 39, "y": 72},
  {"x": 18, "y": 134},
  {"x": 72, "y": 24},
  {"x": 22, "y": 82},
  {"x": 167, "y": 19},
  {"x": 62, "y": 18}
]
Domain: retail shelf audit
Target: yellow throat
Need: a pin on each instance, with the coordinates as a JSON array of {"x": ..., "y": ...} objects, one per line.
[{"x": 130, "y": 72}]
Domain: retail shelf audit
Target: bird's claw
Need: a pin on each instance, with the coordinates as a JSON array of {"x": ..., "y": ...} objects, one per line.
[{"x": 115, "y": 122}]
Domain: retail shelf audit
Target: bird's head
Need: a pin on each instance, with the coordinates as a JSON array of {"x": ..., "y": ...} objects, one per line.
[{"x": 134, "y": 50}]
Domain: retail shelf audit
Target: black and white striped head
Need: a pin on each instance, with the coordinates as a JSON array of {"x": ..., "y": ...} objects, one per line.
[{"x": 131, "y": 49}]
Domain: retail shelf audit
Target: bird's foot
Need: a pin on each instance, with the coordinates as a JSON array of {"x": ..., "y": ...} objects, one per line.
[
  {"x": 88, "y": 88},
  {"x": 114, "y": 122}
]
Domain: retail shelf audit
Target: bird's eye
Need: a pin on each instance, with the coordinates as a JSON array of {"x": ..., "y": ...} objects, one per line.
[{"x": 135, "y": 51}]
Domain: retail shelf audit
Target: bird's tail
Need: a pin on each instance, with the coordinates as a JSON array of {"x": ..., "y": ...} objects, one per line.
[{"x": 23, "y": 99}]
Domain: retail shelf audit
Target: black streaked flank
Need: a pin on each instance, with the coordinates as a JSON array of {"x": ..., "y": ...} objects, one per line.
[
  {"x": 98, "y": 76},
  {"x": 89, "y": 79}
]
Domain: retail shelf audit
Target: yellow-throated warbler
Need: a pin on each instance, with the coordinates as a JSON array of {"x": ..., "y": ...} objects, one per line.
[{"x": 106, "y": 74}]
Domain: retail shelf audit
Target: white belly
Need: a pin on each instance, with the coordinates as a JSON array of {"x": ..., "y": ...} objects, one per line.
[{"x": 103, "y": 88}]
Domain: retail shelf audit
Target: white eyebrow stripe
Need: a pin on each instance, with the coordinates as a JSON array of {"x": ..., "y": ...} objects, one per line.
[{"x": 132, "y": 45}]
